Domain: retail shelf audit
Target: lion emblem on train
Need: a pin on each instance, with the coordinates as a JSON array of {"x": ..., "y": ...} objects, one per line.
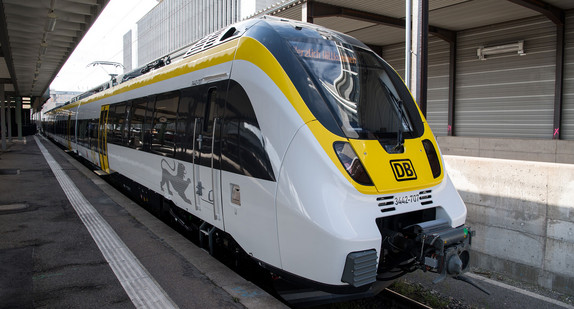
[{"x": 174, "y": 176}]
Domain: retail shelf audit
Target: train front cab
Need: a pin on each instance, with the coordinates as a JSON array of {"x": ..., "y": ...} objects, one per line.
[{"x": 362, "y": 190}]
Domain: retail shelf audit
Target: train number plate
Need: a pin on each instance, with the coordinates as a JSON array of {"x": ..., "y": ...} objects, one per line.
[{"x": 406, "y": 199}]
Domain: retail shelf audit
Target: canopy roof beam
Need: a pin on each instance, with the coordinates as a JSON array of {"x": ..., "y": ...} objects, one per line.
[{"x": 318, "y": 10}]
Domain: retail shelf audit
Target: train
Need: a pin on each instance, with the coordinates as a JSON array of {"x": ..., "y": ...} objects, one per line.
[{"x": 296, "y": 145}]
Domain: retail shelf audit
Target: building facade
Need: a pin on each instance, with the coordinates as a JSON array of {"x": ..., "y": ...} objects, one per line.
[{"x": 175, "y": 24}]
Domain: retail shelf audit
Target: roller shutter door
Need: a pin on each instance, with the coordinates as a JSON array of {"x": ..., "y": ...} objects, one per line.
[{"x": 506, "y": 95}]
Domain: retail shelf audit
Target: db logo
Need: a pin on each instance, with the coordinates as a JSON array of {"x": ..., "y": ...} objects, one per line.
[{"x": 403, "y": 170}]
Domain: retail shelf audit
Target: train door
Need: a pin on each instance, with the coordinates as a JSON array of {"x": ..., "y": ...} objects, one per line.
[
  {"x": 207, "y": 171},
  {"x": 102, "y": 139}
]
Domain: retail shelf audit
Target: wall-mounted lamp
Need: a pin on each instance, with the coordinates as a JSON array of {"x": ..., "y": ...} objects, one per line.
[
  {"x": 517, "y": 47},
  {"x": 51, "y": 24}
]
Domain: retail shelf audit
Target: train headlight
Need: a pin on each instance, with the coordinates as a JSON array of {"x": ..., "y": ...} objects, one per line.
[{"x": 351, "y": 163}]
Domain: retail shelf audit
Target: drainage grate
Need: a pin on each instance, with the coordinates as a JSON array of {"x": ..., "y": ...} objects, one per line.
[{"x": 9, "y": 171}]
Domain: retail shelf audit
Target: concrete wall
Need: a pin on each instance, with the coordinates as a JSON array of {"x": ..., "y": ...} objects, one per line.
[
  {"x": 542, "y": 150},
  {"x": 522, "y": 211}
]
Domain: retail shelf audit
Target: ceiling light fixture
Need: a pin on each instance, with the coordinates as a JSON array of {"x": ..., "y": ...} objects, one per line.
[{"x": 51, "y": 24}]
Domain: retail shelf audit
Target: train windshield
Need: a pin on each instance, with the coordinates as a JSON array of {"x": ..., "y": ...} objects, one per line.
[{"x": 365, "y": 95}]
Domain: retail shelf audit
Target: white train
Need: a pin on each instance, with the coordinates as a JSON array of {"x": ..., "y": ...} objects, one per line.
[{"x": 295, "y": 143}]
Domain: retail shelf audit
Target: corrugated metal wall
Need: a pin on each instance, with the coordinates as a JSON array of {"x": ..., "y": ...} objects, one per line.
[
  {"x": 437, "y": 94},
  {"x": 506, "y": 95},
  {"x": 173, "y": 24},
  {"x": 568, "y": 97}
]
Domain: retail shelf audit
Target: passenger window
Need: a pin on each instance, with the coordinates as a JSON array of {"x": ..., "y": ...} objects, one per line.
[
  {"x": 93, "y": 129},
  {"x": 126, "y": 128},
  {"x": 148, "y": 123},
  {"x": 83, "y": 132},
  {"x": 112, "y": 119},
  {"x": 184, "y": 127},
  {"x": 137, "y": 118},
  {"x": 244, "y": 144},
  {"x": 210, "y": 110},
  {"x": 119, "y": 122},
  {"x": 230, "y": 147},
  {"x": 165, "y": 117}
]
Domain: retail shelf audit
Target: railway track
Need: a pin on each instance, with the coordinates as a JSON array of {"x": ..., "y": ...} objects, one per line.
[{"x": 399, "y": 301}]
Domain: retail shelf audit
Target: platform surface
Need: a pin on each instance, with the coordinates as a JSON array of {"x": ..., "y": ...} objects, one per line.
[{"x": 49, "y": 259}]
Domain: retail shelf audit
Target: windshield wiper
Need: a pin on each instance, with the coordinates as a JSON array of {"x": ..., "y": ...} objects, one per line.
[
  {"x": 400, "y": 139},
  {"x": 399, "y": 105}
]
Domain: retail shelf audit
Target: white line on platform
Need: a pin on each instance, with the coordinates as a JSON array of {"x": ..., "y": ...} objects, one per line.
[
  {"x": 521, "y": 291},
  {"x": 140, "y": 286}
]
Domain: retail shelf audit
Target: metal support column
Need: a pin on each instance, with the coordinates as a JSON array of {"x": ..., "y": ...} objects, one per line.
[
  {"x": 3, "y": 116},
  {"x": 408, "y": 41},
  {"x": 19, "y": 117},
  {"x": 420, "y": 73},
  {"x": 307, "y": 11},
  {"x": 451, "y": 87},
  {"x": 9, "y": 117},
  {"x": 559, "y": 80}
]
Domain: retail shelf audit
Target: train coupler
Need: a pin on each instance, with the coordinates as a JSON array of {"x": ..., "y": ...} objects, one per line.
[
  {"x": 445, "y": 250},
  {"x": 432, "y": 246}
]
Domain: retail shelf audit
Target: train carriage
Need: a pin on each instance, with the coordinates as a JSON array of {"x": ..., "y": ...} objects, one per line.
[{"x": 296, "y": 142}]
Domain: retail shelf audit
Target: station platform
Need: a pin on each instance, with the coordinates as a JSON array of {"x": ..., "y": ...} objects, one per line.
[
  {"x": 70, "y": 240},
  {"x": 57, "y": 252}
]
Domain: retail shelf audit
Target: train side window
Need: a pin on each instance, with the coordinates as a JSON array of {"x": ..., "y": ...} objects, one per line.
[
  {"x": 230, "y": 148},
  {"x": 247, "y": 147},
  {"x": 148, "y": 123},
  {"x": 119, "y": 123},
  {"x": 82, "y": 132},
  {"x": 165, "y": 118},
  {"x": 93, "y": 133},
  {"x": 210, "y": 108},
  {"x": 126, "y": 127},
  {"x": 72, "y": 128},
  {"x": 137, "y": 118},
  {"x": 111, "y": 124},
  {"x": 184, "y": 126}
]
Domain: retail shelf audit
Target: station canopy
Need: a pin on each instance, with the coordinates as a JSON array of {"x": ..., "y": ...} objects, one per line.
[
  {"x": 37, "y": 37},
  {"x": 381, "y": 23}
]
